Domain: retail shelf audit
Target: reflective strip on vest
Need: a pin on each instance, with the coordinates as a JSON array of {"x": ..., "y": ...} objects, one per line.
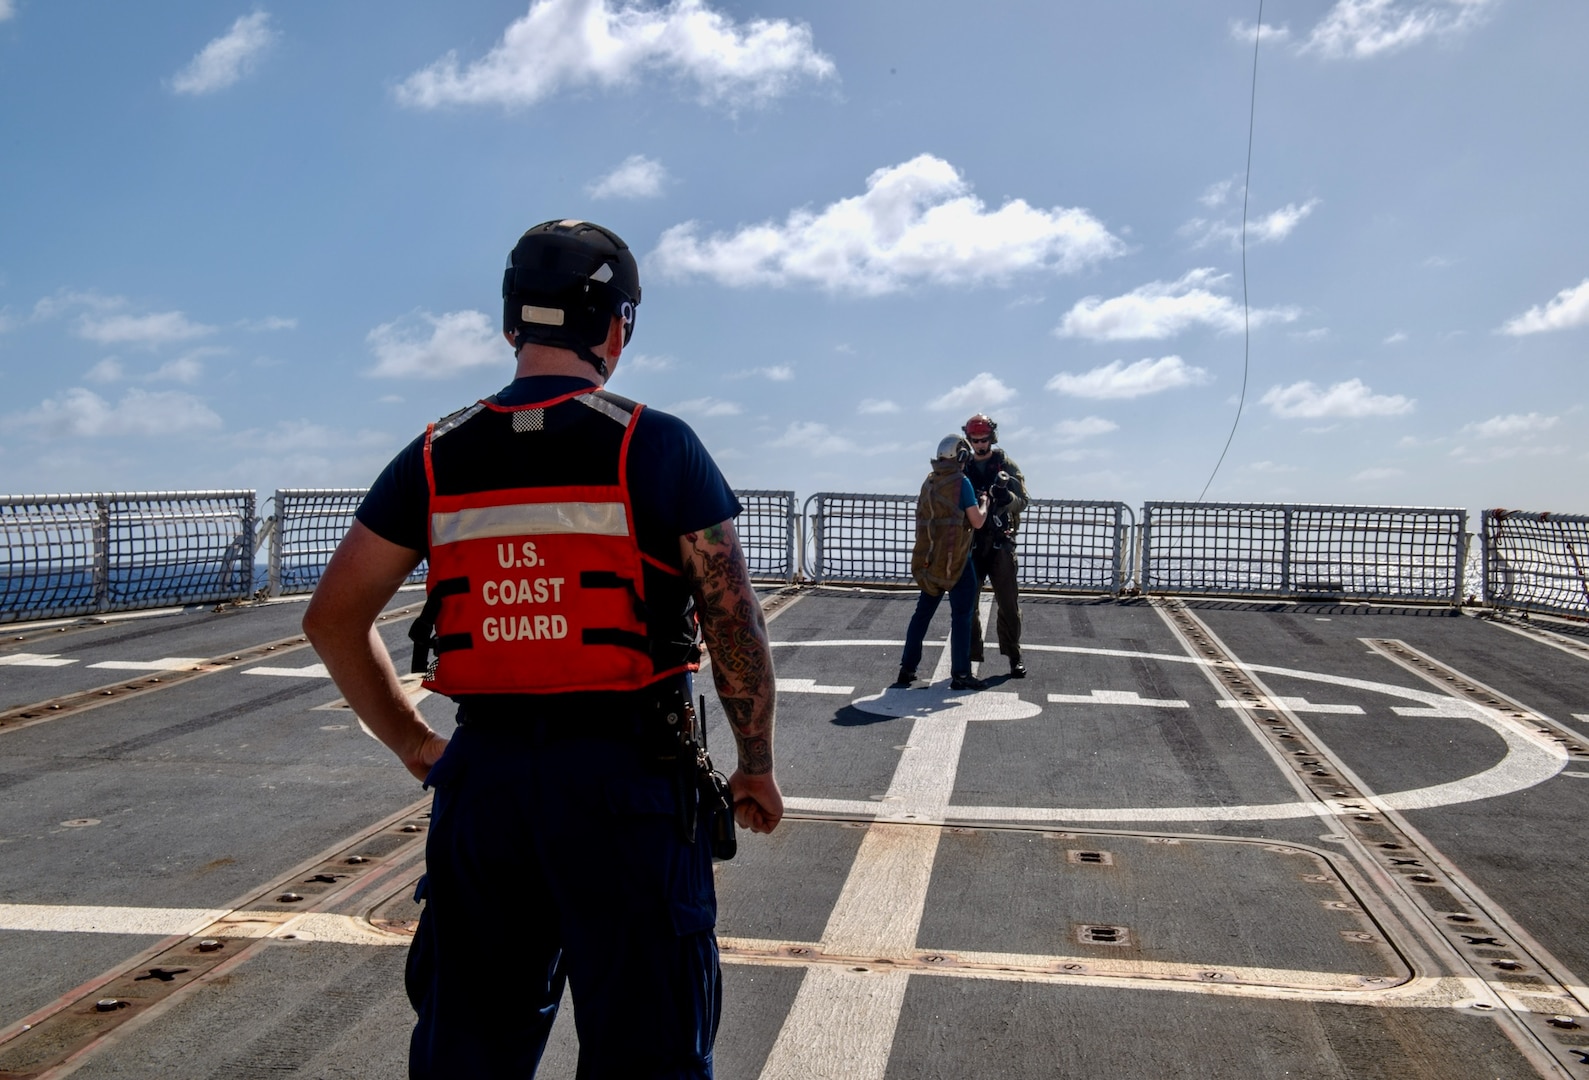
[{"x": 529, "y": 519}]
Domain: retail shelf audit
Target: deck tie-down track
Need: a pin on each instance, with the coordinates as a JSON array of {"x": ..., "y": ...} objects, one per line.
[
  {"x": 1548, "y": 1003},
  {"x": 81, "y": 1021}
]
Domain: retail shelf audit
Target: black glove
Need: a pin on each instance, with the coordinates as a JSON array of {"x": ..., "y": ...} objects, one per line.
[{"x": 999, "y": 494}]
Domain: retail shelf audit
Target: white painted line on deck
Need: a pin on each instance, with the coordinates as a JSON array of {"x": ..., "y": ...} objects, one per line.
[
  {"x": 221, "y": 922},
  {"x": 165, "y": 663},
  {"x": 1584, "y": 716},
  {"x": 1117, "y": 697},
  {"x": 841, "y": 1025},
  {"x": 79, "y": 919},
  {"x": 810, "y": 686},
  {"x": 28, "y": 659},
  {"x": 313, "y": 671},
  {"x": 1296, "y": 705}
]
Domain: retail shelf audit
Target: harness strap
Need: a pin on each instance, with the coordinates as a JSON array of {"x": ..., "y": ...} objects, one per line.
[{"x": 423, "y": 630}]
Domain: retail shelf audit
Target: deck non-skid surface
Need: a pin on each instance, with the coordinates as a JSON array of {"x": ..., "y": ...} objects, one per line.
[{"x": 1116, "y": 867}]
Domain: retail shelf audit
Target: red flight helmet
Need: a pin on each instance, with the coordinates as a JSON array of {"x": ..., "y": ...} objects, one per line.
[{"x": 981, "y": 426}]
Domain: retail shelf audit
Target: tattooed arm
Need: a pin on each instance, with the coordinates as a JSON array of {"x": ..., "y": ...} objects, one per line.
[{"x": 736, "y": 636}]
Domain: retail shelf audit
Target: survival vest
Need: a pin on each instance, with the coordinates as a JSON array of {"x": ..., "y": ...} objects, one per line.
[
  {"x": 982, "y": 474},
  {"x": 537, "y": 582},
  {"x": 943, "y": 535}
]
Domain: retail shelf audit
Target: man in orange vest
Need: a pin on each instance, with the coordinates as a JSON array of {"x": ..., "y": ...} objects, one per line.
[{"x": 575, "y": 540}]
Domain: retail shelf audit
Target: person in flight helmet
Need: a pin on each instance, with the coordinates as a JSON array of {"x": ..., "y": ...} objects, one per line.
[
  {"x": 564, "y": 626},
  {"x": 994, "y": 474},
  {"x": 947, "y": 514}
]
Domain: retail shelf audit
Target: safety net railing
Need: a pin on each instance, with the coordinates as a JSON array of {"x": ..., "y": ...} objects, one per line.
[
  {"x": 1074, "y": 545},
  {"x": 1294, "y": 550},
  {"x": 768, "y": 532},
  {"x": 1064, "y": 544},
  {"x": 309, "y": 523},
  {"x": 307, "y": 526},
  {"x": 1536, "y": 561},
  {"x": 87, "y": 554},
  {"x": 860, "y": 538}
]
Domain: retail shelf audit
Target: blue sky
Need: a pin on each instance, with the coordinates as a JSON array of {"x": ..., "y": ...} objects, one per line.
[{"x": 262, "y": 246}]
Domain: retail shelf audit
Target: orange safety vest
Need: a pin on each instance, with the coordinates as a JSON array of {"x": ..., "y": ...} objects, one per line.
[{"x": 538, "y": 586}]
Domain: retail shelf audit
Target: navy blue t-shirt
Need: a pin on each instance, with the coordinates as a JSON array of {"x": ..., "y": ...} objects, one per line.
[{"x": 675, "y": 486}]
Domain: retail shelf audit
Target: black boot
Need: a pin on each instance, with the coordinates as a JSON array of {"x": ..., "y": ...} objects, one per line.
[
  {"x": 905, "y": 677},
  {"x": 966, "y": 682},
  {"x": 1017, "y": 670}
]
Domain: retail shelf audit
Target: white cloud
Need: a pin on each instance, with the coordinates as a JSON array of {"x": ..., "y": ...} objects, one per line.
[
  {"x": 186, "y": 369},
  {"x": 108, "y": 370},
  {"x": 773, "y": 373},
  {"x": 1070, "y": 431},
  {"x": 1358, "y": 29},
  {"x": 1350, "y": 399},
  {"x": 917, "y": 222},
  {"x": 813, "y": 439},
  {"x": 1121, "y": 380},
  {"x": 83, "y": 413},
  {"x": 1216, "y": 194},
  {"x": 638, "y": 177},
  {"x": 1377, "y": 473},
  {"x": 1395, "y": 339},
  {"x": 7, "y": 9},
  {"x": 705, "y": 406},
  {"x": 149, "y": 331},
  {"x": 1512, "y": 426},
  {"x": 876, "y": 407},
  {"x": 1272, "y": 33},
  {"x": 984, "y": 389},
  {"x": 1272, "y": 228},
  {"x": 1271, "y": 468},
  {"x": 1567, "y": 309},
  {"x": 228, "y": 58},
  {"x": 1160, "y": 310},
  {"x": 580, "y": 43},
  {"x": 1483, "y": 455},
  {"x": 638, "y": 361},
  {"x": 269, "y": 323},
  {"x": 429, "y": 346}
]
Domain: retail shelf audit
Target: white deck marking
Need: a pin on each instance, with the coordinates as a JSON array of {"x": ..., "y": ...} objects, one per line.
[
  {"x": 841, "y": 1025},
  {"x": 313, "y": 671},
  {"x": 810, "y": 686},
  {"x": 1530, "y": 758},
  {"x": 28, "y": 659},
  {"x": 165, "y": 663},
  {"x": 168, "y": 922},
  {"x": 1117, "y": 697},
  {"x": 1295, "y": 704},
  {"x": 1584, "y": 716},
  {"x": 79, "y": 919}
]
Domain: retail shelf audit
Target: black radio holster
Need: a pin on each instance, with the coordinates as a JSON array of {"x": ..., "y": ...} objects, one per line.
[{"x": 678, "y": 739}]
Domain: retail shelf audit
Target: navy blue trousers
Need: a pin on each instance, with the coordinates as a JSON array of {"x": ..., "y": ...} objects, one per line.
[
  {"x": 962, "y": 605},
  {"x": 555, "y": 859}
]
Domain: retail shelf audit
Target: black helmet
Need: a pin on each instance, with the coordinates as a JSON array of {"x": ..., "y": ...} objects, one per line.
[{"x": 564, "y": 282}]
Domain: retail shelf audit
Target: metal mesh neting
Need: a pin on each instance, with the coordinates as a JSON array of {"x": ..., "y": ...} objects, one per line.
[
  {"x": 1072, "y": 544},
  {"x": 766, "y": 528},
  {"x": 861, "y": 538},
  {"x": 1537, "y": 562},
  {"x": 64, "y": 555},
  {"x": 1064, "y": 544},
  {"x": 1399, "y": 553},
  {"x": 310, "y": 523}
]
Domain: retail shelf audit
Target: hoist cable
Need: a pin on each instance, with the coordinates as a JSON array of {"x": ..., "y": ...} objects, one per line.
[{"x": 1246, "y": 328}]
